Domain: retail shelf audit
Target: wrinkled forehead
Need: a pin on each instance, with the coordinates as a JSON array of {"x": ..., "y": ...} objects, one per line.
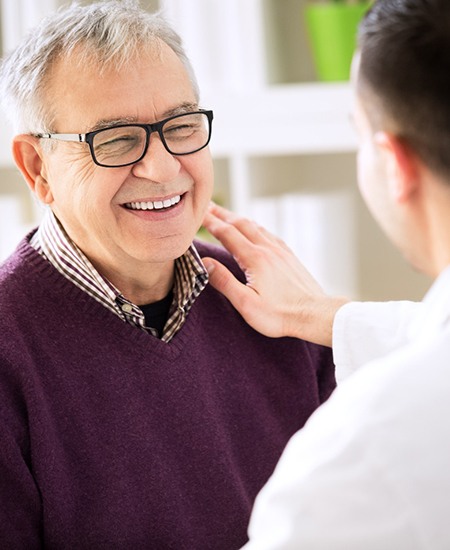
[
  {"x": 86, "y": 89},
  {"x": 84, "y": 57}
]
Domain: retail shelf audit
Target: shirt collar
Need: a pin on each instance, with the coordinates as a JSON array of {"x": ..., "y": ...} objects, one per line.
[{"x": 191, "y": 277}]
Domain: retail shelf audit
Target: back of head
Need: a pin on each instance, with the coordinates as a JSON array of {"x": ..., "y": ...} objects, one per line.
[
  {"x": 404, "y": 75},
  {"x": 108, "y": 33}
]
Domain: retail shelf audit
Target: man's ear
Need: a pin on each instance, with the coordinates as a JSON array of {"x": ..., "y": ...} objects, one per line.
[
  {"x": 402, "y": 165},
  {"x": 27, "y": 154}
]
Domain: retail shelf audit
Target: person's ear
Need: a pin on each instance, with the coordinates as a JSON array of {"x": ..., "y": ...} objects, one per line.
[
  {"x": 401, "y": 165},
  {"x": 27, "y": 154}
]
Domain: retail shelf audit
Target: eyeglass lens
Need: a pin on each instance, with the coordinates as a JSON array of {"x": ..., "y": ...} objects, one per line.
[{"x": 124, "y": 145}]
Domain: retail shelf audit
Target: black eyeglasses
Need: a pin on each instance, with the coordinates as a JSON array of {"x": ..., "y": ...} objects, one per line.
[{"x": 127, "y": 144}]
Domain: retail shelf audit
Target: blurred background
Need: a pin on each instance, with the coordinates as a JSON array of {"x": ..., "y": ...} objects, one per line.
[{"x": 283, "y": 145}]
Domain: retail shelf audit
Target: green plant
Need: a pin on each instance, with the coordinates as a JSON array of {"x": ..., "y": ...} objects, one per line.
[{"x": 349, "y": 2}]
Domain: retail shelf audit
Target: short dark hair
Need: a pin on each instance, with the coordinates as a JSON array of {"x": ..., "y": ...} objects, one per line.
[{"x": 404, "y": 74}]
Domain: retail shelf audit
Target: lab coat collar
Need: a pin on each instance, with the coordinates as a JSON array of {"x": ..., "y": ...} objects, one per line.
[{"x": 436, "y": 311}]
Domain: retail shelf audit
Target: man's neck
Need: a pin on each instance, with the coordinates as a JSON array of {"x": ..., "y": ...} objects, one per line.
[{"x": 141, "y": 286}]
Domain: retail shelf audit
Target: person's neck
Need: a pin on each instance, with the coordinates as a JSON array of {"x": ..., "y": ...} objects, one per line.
[
  {"x": 436, "y": 226},
  {"x": 144, "y": 285}
]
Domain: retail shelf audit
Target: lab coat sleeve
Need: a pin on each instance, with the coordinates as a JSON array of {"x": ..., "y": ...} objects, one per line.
[
  {"x": 364, "y": 331},
  {"x": 333, "y": 488}
]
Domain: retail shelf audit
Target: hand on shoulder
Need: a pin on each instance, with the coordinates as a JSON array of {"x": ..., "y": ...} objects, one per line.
[{"x": 280, "y": 298}]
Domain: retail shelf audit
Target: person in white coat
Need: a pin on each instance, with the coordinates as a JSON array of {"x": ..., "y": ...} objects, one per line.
[{"x": 371, "y": 468}]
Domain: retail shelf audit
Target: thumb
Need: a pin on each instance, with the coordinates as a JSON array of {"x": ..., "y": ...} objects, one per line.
[{"x": 224, "y": 281}]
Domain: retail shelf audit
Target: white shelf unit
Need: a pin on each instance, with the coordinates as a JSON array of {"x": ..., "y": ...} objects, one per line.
[
  {"x": 278, "y": 137},
  {"x": 277, "y": 121}
]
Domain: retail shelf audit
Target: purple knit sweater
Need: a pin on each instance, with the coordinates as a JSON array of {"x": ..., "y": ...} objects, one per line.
[{"x": 112, "y": 439}]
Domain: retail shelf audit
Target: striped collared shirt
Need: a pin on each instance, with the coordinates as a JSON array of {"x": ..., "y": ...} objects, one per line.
[{"x": 191, "y": 277}]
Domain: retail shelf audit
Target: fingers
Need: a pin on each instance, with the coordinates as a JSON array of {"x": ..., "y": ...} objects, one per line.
[
  {"x": 218, "y": 219},
  {"x": 229, "y": 235},
  {"x": 222, "y": 213},
  {"x": 225, "y": 282},
  {"x": 247, "y": 227}
]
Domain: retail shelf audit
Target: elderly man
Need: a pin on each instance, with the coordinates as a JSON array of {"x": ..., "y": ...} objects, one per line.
[
  {"x": 137, "y": 408},
  {"x": 371, "y": 468}
]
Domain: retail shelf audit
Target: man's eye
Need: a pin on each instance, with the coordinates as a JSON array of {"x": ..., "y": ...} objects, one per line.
[
  {"x": 180, "y": 128},
  {"x": 107, "y": 142},
  {"x": 117, "y": 141},
  {"x": 180, "y": 131}
]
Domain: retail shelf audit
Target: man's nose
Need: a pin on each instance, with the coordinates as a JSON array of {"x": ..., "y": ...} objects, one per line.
[{"x": 157, "y": 164}]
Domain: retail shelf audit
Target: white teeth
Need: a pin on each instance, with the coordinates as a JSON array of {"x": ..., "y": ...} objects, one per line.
[{"x": 154, "y": 205}]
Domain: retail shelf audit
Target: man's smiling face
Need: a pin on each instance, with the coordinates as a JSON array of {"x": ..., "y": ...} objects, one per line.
[{"x": 101, "y": 208}]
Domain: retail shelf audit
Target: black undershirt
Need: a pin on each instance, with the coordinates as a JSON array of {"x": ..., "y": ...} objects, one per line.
[{"x": 156, "y": 314}]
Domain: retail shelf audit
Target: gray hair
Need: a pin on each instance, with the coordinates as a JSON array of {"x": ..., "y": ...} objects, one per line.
[{"x": 108, "y": 33}]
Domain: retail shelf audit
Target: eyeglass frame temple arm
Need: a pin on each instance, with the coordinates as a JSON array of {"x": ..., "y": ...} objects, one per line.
[{"x": 81, "y": 138}]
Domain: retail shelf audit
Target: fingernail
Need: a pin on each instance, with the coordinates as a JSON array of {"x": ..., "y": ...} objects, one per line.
[{"x": 209, "y": 266}]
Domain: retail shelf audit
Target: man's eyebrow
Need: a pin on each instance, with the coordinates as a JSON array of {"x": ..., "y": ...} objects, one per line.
[
  {"x": 179, "y": 110},
  {"x": 107, "y": 122}
]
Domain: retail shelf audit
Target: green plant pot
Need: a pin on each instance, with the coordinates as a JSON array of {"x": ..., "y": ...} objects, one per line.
[{"x": 332, "y": 32}]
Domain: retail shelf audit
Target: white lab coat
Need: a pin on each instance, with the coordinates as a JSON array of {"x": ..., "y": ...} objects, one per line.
[{"x": 371, "y": 468}]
